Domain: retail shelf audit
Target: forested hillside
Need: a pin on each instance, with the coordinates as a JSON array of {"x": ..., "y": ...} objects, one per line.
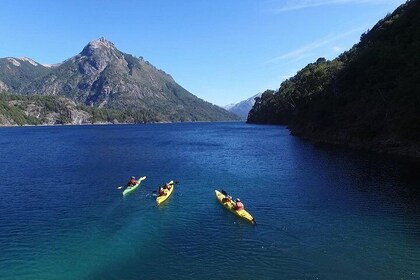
[
  {"x": 369, "y": 96},
  {"x": 50, "y": 110}
]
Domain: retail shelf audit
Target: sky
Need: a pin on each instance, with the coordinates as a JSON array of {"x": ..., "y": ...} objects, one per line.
[{"x": 223, "y": 51}]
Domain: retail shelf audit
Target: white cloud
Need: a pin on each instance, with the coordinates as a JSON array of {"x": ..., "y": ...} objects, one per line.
[
  {"x": 305, "y": 4},
  {"x": 307, "y": 50}
]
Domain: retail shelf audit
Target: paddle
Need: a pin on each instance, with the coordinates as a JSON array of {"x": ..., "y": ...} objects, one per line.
[
  {"x": 174, "y": 183},
  {"x": 226, "y": 195}
]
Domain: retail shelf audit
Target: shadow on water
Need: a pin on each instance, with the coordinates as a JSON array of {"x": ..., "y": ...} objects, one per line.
[{"x": 386, "y": 175}]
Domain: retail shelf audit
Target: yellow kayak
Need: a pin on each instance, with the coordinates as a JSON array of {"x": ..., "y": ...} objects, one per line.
[
  {"x": 162, "y": 198},
  {"x": 230, "y": 206}
]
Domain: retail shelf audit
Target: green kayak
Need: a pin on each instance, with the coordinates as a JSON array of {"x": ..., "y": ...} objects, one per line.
[{"x": 133, "y": 188}]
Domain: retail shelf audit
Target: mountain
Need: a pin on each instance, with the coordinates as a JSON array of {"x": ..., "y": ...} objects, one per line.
[
  {"x": 101, "y": 76},
  {"x": 368, "y": 97},
  {"x": 242, "y": 108},
  {"x": 15, "y": 73}
]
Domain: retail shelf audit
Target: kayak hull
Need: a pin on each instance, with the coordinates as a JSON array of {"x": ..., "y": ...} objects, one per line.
[
  {"x": 162, "y": 198},
  {"x": 129, "y": 190},
  {"x": 230, "y": 206}
]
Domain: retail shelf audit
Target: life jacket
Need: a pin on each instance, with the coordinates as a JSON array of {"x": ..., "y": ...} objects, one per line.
[
  {"x": 132, "y": 182},
  {"x": 239, "y": 205}
]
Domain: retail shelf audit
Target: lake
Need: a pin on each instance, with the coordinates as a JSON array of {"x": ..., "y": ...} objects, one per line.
[{"x": 322, "y": 212}]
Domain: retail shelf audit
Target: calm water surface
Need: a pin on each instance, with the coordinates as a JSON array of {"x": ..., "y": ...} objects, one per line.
[{"x": 323, "y": 212}]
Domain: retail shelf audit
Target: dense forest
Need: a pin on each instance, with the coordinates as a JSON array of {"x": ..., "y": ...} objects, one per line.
[{"x": 368, "y": 96}]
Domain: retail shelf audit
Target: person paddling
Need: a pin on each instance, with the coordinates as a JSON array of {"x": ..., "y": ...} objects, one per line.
[
  {"x": 161, "y": 191},
  {"x": 164, "y": 188},
  {"x": 227, "y": 199},
  {"x": 132, "y": 182},
  {"x": 238, "y": 205},
  {"x": 167, "y": 186}
]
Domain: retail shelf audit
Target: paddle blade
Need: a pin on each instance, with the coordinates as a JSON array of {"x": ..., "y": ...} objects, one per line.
[{"x": 223, "y": 192}]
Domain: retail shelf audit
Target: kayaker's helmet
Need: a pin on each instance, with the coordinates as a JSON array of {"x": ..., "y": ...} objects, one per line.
[
  {"x": 238, "y": 200},
  {"x": 132, "y": 177}
]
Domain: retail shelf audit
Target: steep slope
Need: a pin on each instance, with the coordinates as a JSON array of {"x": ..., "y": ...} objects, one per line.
[
  {"x": 15, "y": 73},
  {"x": 368, "y": 97},
  {"x": 242, "y": 108},
  {"x": 34, "y": 110},
  {"x": 104, "y": 77},
  {"x": 50, "y": 110}
]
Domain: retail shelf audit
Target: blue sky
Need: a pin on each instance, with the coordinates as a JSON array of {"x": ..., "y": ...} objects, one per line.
[{"x": 222, "y": 51}]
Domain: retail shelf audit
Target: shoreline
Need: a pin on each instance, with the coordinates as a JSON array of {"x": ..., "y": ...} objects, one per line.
[
  {"x": 404, "y": 149},
  {"x": 407, "y": 150},
  {"x": 109, "y": 123}
]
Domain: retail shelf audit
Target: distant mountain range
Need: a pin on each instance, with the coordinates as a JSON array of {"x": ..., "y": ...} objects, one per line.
[
  {"x": 103, "y": 77},
  {"x": 242, "y": 108}
]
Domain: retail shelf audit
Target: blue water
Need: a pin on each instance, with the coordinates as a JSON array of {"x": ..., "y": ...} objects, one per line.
[{"x": 322, "y": 212}]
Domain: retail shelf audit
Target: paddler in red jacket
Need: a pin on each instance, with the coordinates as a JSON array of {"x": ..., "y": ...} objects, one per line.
[
  {"x": 132, "y": 181},
  {"x": 238, "y": 205}
]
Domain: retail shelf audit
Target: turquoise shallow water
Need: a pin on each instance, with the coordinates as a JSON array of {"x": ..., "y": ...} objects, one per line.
[{"x": 323, "y": 212}]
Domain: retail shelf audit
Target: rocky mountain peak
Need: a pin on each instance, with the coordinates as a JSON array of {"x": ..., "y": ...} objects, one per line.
[
  {"x": 242, "y": 108},
  {"x": 100, "y": 46},
  {"x": 97, "y": 55},
  {"x": 101, "y": 43}
]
